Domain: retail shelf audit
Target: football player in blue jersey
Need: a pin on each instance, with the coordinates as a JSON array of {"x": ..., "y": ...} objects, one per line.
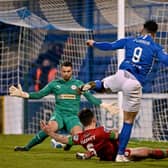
[{"x": 140, "y": 52}]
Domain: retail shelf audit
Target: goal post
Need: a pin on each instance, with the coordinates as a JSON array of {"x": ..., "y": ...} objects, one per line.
[{"x": 120, "y": 56}]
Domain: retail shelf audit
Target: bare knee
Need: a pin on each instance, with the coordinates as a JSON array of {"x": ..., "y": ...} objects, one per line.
[
  {"x": 53, "y": 125},
  {"x": 76, "y": 129},
  {"x": 129, "y": 117}
]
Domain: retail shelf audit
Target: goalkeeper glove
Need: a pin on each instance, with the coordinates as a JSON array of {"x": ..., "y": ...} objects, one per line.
[
  {"x": 111, "y": 108},
  {"x": 14, "y": 91},
  {"x": 88, "y": 86}
]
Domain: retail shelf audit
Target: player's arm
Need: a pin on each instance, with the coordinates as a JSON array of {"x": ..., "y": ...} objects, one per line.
[
  {"x": 110, "y": 107},
  {"x": 113, "y": 134},
  {"x": 163, "y": 56},
  {"x": 41, "y": 93},
  {"x": 18, "y": 92},
  {"x": 60, "y": 138},
  {"x": 92, "y": 99},
  {"x": 119, "y": 44}
]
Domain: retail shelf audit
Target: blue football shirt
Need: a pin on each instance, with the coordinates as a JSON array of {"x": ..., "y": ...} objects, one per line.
[{"x": 140, "y": 54}]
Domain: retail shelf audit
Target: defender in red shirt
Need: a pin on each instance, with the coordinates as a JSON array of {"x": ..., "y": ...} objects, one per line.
[{"x": 100, "y": 142}]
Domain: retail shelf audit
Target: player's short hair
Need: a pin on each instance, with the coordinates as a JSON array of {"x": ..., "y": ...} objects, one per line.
[
  {"x": 67, "y": 64},
  {"x": 86, "y": 116},
  {"x": 151, "y": 26}
]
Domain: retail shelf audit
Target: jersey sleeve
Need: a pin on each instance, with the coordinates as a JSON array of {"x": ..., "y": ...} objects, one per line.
[
  {"x": 43, "y": 92},
  {"x": 162, "y": 56},
  {"x": 70, "y": 140},
  {"x": 74, "y": 140},
  {"x": 109, "y": 134},
  {"x": 92, "y": 99},
  {"x": 112, "y": 135},
  {"x": 119, "y": 44}
]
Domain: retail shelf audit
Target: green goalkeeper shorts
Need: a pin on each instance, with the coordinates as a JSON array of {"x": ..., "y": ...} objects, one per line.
[{"x": 66, "y": 121}]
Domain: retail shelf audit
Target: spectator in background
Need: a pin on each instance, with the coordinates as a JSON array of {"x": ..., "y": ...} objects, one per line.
[
  {"x": 44, "y": 74},
  {"x": 53, "y": 54},
  {"x": 36, "y": 78}
]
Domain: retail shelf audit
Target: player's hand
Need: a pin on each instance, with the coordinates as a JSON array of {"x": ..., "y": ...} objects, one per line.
[
  {"x": 90, "y": 42},
  {"x": 82, "y": 156},
  {"x": 111, "y": 108},
  {"x": 88, "y": 86},
  {"x": 45, "y": 127},
  {"x": 17, "y": 91}
]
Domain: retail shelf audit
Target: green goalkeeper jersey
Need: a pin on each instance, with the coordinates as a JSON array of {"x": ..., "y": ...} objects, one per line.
[{"x": 67, "y": 98}]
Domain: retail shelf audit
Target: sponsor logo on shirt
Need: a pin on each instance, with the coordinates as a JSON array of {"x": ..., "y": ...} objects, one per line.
[
  {"x": 67, "y": 96},
  {"x": 86, "y": 140},
  {"x": 58, "y": 86},
  {"x": 86, "y": 135},
  {"x": 142, "y": 41},
  {"x": 73, "y": 87},
  {"x": 75, "y": 137}
]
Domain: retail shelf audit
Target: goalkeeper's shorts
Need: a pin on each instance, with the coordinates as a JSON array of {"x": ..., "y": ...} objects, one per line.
[{"x": 66, "y": 121}]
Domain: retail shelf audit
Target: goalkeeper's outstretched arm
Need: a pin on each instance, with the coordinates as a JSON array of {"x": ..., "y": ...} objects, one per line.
[{"x": 18, "y": 92}]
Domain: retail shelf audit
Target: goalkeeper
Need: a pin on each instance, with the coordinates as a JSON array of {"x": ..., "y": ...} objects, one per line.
[
  {"x": 67, "y": 106},
  {"x": 100, "y": 142}
]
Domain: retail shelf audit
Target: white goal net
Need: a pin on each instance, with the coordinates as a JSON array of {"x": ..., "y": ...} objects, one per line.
[{"x": 33, "y": 30}]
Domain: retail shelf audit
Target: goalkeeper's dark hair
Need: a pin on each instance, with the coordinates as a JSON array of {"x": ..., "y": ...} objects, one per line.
[
  {"x": 66, "y": 63},
  {"x": 86, "y": 116},
  {"x": 151, "y": 26}
]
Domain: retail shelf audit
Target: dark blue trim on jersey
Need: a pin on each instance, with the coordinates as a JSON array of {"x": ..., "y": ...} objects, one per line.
[{"x": 98, "y": 86}]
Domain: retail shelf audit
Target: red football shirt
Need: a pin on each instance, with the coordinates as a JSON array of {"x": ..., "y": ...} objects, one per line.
[{"x": 98, "y": 141}]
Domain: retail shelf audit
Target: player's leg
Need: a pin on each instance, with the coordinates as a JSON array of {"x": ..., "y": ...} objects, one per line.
[
  {"x": 137, "y": 154},
  {"x": 144, "y": 152},
  {"x": 38, "y": 138},
  {"x": 131, "y": 104},
  {"x": 115, "y": 83},
  {"x": 126, "y": 82},
  {"x": 73, "y": 126},
  {"x": 158, "y": 153},
  {"x": 55, "y": 123},
  {"x": 125, "y": 134}
]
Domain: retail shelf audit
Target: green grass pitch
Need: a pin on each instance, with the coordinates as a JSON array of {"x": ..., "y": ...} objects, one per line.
[{"x": 43, "y": 156}]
